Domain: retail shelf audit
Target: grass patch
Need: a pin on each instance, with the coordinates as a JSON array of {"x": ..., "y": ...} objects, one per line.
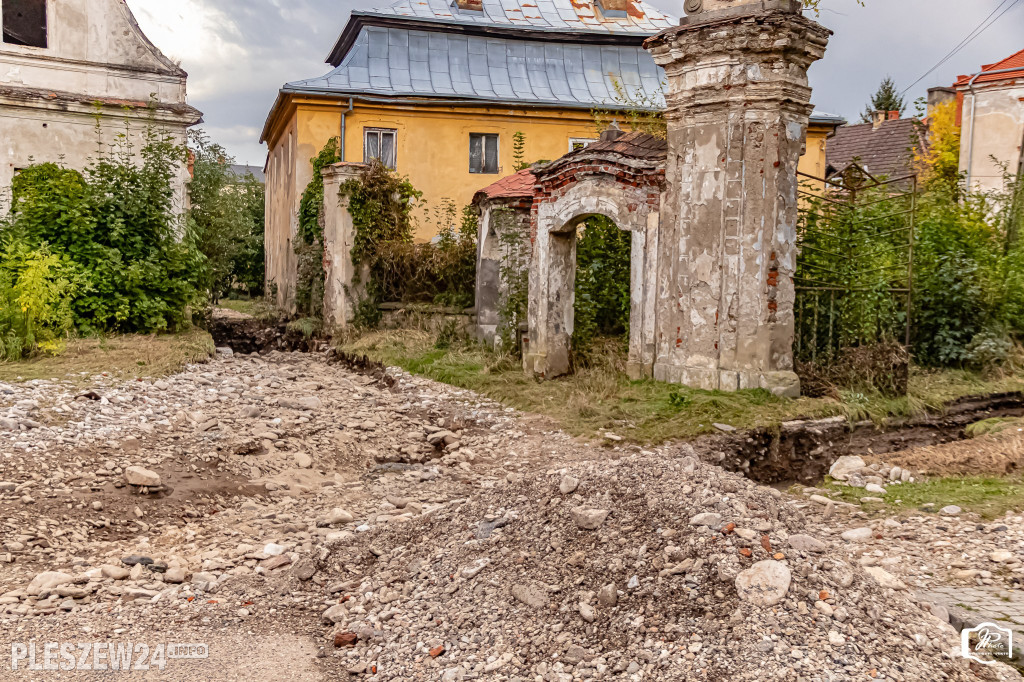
[
  {"x": 989, "y": 497},
  {"x": 127, "y": 357},
  {"x": 603, "y": 399},
  {"x": 259, "y": 308}
]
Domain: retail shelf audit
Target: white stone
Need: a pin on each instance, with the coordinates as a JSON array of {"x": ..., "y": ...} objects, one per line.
[
  {"x": 765, "y": 583},
  {"x": 884, "y": 578},
  {"x": 135, "y": 475},
  {"x": 846, "y": 465},
  {"x": 858, "y": 535}
]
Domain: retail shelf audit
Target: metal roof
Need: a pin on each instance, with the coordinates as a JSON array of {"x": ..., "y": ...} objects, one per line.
[
  {"x": 554, "y": 15},
  {"x": 397, "y": 62}
]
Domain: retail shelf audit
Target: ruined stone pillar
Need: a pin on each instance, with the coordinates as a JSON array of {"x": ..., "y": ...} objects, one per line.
[
  {"x": 339, "y": 237},
  {"x": 738, "y": 104}
]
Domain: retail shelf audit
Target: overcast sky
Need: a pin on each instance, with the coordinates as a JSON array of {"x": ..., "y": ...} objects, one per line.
[{"x": 238, "y": 53}]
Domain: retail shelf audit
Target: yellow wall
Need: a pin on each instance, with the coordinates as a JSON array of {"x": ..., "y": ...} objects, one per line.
[{"x": 432, "y": 149}]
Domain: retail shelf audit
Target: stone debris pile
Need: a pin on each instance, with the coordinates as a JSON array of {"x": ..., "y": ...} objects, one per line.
[{"x": 642, "y": 568}]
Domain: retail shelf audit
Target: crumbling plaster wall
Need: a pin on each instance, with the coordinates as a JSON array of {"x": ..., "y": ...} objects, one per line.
[
  {"x": 97, "y": 78},
  {"x": 993, "y": 133},
  {"x": 341, "y": 285},
  {"x": 738, "y": 110},
  {"x": 490, "y": 289},
  {"x": 580, "y": 190}
]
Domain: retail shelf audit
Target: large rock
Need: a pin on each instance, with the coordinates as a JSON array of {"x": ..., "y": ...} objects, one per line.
[
  {"x": 48, "y": 581},
  {"x": 709, "y": 519},
  {"x": 308, "y": 404},
  {"x": 857, "y": 535},
  {"x": 141, "y": 477},
  {"x": 589, "y": 519},
  {"x": 884, "y": 578},
  {"x": 844, "y": 466},
  {"x": 334, "y": 614},
  {"x": 805, "y": 543},
  {"x": 765, "y": 583},
  {"x": 531, "y": 596}
]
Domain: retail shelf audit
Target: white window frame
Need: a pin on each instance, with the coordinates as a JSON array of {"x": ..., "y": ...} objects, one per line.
[
  {"x": 380, "y": 132},
  {"x": 585, "y": 141},
  {"x": 483, "y": 154}
]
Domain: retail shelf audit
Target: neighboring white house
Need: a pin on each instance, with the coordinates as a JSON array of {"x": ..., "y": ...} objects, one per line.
[
  {"x": 992, "y": 118},
  {"x": 66, "y": 65}
]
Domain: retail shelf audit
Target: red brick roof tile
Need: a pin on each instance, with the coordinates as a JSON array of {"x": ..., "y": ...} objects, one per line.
[{"x": 1014, "y": 61}]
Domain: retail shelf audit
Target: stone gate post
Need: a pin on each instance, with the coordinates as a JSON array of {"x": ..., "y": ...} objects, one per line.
[
  {"x": 738, "y": 104},
  {"x": 339, "y": 237}
]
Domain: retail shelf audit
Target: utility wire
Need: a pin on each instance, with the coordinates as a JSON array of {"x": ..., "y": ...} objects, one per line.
[{"x": 978, "y": 30}]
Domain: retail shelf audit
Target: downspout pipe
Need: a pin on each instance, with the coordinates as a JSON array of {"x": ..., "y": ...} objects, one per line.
[
  {"x": 974, "y": 109},
  {"x": 344, "y": 115}
]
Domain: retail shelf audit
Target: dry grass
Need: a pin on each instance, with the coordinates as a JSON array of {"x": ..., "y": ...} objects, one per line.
[
  {"x": 601, "y": 399},
  {"x": 998, "y": 454},
  {"x": 125, "y": 357}
]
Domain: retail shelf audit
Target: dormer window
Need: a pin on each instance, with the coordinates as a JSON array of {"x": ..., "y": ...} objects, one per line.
[{"x": 24, "y": 22}]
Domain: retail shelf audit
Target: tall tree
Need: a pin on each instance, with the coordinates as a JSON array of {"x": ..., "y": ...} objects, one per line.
[{"x": 887, "y": 98}]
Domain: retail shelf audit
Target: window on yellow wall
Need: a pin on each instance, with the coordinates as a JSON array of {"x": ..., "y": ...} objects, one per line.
[
  {"x": 578, "y": 143},
  {"x": 483, "y": 153},
  {"x": 379, "y": 143}
]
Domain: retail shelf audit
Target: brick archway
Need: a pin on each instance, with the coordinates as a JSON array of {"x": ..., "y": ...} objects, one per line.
[{"x": 620, "y": 178}]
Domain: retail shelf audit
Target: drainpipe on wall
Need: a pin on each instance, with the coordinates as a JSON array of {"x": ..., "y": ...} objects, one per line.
[
  {"x": 974, "y": 108},
  {"x": 344, "y": 114}
]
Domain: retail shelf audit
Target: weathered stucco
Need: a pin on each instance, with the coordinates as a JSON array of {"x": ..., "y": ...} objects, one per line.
[
  {"x": 993, "y": 132},
  {"x": 98, "y": 74},
  {"x": 339, "y": 237},
  {"x": 738, "y": 109}
]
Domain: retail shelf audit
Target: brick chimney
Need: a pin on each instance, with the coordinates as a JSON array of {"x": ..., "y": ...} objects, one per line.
[
  {"x": 878, "y": 118},
  {"x": 894, "y": 115},
  {"x": 470, "y": 5}
]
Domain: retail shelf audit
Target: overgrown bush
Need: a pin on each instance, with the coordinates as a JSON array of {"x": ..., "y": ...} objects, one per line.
[
  {"x": 381, "y": 204},
  {"x": 602, "y": 285},
  {"x": 134, "y": 262},
  {"x": 226, "y": 215},
  {"x": 967, "y": 298},
  {"x": 36, "y": 290}
]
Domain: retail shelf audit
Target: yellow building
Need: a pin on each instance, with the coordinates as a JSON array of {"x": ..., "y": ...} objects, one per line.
[{"x": 437, "y": 91}]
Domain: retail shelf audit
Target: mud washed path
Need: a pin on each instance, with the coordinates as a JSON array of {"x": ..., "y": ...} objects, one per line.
[{"x": 303, "y": 521}]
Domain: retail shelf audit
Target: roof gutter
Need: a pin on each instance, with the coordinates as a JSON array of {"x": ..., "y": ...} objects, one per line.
[
  {"x": 412, "y": 99},
  {"x": 974, "y": 109},
  {"x": 344, "y": 115}
]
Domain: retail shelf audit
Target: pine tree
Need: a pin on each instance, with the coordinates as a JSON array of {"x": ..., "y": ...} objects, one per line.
[{"x": 887, "y": 98}]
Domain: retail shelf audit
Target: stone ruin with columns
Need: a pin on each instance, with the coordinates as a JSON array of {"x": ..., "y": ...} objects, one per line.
[{"x": 712, "y": 209}]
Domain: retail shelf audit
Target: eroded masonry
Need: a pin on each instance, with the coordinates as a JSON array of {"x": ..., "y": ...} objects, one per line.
[{"x": 712, "y": 209}]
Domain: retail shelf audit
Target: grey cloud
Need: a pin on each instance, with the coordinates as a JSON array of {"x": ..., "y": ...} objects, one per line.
[{"x": 287, "y": 40}]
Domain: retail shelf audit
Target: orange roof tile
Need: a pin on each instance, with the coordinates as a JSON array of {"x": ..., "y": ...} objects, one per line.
[{"x": 1014, "y": 61}]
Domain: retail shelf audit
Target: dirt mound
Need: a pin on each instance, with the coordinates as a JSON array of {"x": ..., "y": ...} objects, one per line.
[
  {"x": 997, "y": 455},
  {"x": 641, "y": 568}
]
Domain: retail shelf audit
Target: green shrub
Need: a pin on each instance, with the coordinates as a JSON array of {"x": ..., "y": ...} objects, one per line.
[
  {"x": 602, "y": 285},
  {"x": 134, "y": 260},
  {"x": 226, "y": 216},
  {"x": 36, "y": 290}
]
